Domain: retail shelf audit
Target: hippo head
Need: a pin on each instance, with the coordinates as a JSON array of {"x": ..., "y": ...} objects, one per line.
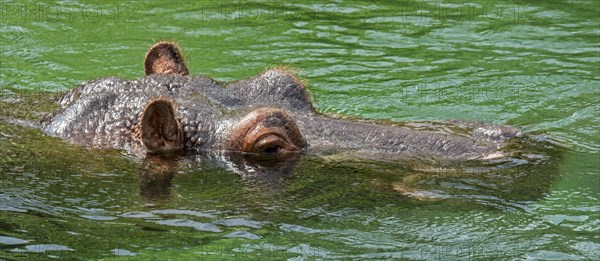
[{"x": 268, "y": 114}]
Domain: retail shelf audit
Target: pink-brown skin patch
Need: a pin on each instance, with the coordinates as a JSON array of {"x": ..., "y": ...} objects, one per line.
[
  {"x": 165, "y": 58},
  {"x": 159, "y": 128},
  {"x": 266, "y": 131}
]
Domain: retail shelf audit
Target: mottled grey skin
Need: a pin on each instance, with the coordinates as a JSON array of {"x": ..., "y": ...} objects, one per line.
[{"x": 103, "y": 114}]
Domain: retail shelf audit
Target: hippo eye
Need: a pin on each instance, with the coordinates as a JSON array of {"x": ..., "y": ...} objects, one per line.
[
  {"x": 269, "y": 144},
  {"x": 266, "y": 131},
  {"x": 272, "y": 150},
  {"x": 262, "y": 140}
]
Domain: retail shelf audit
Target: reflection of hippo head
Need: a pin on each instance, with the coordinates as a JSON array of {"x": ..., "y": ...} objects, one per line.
[{"x": 270, "y": 114}]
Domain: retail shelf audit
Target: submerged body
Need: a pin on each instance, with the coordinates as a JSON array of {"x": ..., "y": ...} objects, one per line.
[{"x": 267, "y": 114}]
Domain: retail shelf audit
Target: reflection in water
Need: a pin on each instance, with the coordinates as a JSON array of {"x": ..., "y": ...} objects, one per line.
[
  {"x": 157, "y": 170},
  {"x": 156, "y": 174},
  {"x": 505, "y": 182},
  {"x": 263, "y": 174},
  {"x": 524, "y": 176}
]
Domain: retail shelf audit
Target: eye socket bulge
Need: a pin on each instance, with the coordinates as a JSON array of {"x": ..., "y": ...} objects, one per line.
[{"x": 267, "y": 131}]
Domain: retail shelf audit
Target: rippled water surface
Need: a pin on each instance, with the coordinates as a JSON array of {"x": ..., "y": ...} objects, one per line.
[{"x": 530, "y": 64}]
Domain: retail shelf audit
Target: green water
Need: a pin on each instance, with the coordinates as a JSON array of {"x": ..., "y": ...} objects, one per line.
[{"x": 530, "y": 64}]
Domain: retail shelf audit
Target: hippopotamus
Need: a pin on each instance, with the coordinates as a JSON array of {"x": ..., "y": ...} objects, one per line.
[{"x": 269, "y": 115}]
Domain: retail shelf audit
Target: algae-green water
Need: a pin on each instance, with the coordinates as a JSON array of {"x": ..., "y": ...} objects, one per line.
[{"x": 534, "y": 65}]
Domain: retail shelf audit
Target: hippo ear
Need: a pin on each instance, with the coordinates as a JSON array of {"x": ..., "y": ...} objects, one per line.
[
  {"x": 166, "y": 58},
  {"x": 160, "y": 129}
]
